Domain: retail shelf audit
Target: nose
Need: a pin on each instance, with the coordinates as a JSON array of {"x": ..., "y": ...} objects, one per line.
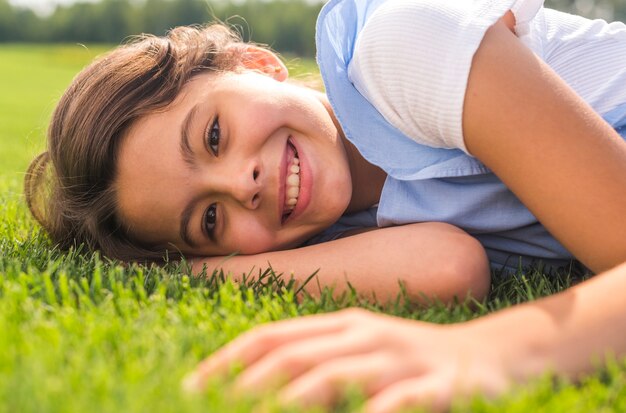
[{"x": 240, "y": 184}]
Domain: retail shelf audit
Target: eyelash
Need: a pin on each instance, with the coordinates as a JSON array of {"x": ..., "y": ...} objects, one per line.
[
  {"x": 209, "y": 220},
  {"x": 212, "y": 137}
]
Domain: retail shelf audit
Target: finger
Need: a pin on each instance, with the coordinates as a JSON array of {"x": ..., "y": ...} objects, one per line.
[
  {"x": 430, "y": 392},
  {"x": 326, "y": 383},
  {"x": 289, "y": 361},
  {"x": 254, "y": 344}
]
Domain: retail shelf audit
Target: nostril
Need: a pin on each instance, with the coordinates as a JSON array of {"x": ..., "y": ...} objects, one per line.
[
  {"x": 255, "y": 174},
  {"x": 255, "y": 200}
]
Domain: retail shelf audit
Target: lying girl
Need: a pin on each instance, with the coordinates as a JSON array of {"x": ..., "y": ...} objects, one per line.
[{"x": 500, "y": 118}]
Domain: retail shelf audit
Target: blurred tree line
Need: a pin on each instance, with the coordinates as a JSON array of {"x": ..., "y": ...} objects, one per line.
[{"x": 286, "y": 25}]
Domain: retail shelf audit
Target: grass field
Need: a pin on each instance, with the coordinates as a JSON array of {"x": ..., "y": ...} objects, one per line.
[{"x": 79, "y": 333}]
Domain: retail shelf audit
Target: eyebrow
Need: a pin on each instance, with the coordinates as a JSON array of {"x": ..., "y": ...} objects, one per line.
[
  {"x": 189, "y": 158},
  {"x": 185, "y": 217},
  {"x": 185, "y": 138}
]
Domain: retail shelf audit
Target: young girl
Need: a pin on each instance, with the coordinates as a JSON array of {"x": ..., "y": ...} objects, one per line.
[
  {"x": 492, "y": 116},
  {"x": 537, "y": 96}
]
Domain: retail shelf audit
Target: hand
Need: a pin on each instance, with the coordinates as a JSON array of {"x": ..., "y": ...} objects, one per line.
[{"x": 397, "y": 363}]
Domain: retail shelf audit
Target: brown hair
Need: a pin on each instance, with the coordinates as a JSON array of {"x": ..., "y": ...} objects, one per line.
[{"x": 69, "y": 188}]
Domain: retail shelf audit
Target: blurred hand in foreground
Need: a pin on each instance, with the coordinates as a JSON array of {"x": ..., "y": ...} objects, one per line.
[
  {"x": 397, "y": 363},
  {"x": 400, "y": 363}
]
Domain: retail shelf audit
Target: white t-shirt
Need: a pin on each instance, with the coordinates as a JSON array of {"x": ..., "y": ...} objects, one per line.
[{"x": 412, "y": 59}]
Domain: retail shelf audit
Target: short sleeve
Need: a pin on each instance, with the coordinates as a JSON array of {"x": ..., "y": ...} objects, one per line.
[{"x": 413, "y": 57}]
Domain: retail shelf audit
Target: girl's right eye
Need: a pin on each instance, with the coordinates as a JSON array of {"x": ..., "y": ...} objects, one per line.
[
  {"x": 212, "y": 137},
  {"x": 209, "y": 220}
]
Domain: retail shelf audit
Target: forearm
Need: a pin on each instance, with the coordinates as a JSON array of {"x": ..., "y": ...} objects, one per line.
[
  {"x": 430, "y": 259},
  {"x": 568, "y": 333}
]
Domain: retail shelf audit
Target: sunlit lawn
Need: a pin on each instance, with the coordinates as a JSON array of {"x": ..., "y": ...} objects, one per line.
[{"x": 79, "y": 333}]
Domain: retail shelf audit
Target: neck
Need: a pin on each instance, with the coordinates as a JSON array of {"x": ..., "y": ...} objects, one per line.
[{"x": 367, "y": 180}]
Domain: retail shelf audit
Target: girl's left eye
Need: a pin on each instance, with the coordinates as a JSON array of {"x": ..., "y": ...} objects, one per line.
[
  {"x": 213, "y": 137},
  {"x": 209, "y": 221}
]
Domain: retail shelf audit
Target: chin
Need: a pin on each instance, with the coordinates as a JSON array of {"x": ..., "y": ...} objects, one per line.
[
  {"x": 337, "y": 206},
  {"x": 306, "y": 234}
]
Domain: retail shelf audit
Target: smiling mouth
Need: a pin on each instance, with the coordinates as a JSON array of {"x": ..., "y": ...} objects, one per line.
[{"x": 292, "y": 181}]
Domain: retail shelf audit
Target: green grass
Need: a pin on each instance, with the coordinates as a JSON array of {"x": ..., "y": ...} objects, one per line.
[{"x": 80, "y": 333}]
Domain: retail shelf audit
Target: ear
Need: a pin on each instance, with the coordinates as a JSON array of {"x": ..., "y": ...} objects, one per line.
[{"x": 265, "y": 61}]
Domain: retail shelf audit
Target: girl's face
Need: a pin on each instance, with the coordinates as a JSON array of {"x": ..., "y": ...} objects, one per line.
[{"x": 239, "y": 162}]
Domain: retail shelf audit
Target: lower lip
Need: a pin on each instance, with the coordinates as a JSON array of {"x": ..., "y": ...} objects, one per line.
[{"x": 304, "y": 197}]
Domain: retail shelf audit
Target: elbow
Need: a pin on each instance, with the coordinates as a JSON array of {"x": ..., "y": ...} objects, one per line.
[
  {"x": 472, "y": 271},
  {"x": 462, "y": 274}
]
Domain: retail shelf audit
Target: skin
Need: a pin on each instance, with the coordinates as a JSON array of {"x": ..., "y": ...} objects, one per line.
[
  {"x": 258, "y": 112},
  {"x": 401, "y": 363}
]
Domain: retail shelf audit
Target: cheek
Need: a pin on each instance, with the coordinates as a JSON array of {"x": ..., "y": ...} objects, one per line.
[{"x": 250, "y": 237}]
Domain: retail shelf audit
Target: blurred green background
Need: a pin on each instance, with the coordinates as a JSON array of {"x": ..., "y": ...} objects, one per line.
[{"x": 287, "y": 25}]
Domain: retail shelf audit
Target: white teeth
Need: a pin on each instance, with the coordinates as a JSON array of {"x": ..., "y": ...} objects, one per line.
[
  {"x": 293, "y": 185},
  {"x": 293, "y": 180},
  {"x": 293, "y": 192}
]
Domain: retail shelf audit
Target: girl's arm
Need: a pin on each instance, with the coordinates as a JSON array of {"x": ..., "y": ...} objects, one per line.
[
  {"x": 434, "y": 260},
  {"x": 549, "y": 147},
  {"x": 402, "y": 363}
]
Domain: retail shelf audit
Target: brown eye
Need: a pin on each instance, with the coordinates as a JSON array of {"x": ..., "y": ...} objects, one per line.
[
  {"x": 213, "y": 137},
  {"x": 210, "y": 219}
]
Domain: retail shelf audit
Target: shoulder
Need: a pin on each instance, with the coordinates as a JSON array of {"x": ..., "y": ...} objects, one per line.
[
  {"x": 412, "y": 59},
  {"x": 406, "y": 31}
]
